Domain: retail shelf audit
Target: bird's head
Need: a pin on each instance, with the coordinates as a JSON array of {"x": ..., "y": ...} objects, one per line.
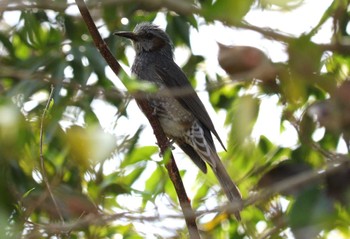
[{"x": 147, "y": 37}]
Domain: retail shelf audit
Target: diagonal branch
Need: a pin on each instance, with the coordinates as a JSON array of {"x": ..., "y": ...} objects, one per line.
[{"x": 162, "y": 140}]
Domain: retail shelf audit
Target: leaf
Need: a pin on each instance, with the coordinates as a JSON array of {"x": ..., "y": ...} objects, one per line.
[
  {"x": 304, "y": 56},
  {"x": 139, "y": 154},
  {"x": 190, "y": 68},
  {"x": 265, "y": 145},
  {"x": 155, "y": 183},
  {"x": 244, "y": 114},
  {"x": 310, "y": 213},
  {"x": 7, "y": 44},
  {"x": 223, "y": 97},
  {"x": 133, "y": 85},
  {"x": 227, "y": 10},
  {"x": 178, "y": 30},
  {"x": 21, "y": 50},
  {"x": 96, "y": 62},
  {"x": 282, "y": 5}
]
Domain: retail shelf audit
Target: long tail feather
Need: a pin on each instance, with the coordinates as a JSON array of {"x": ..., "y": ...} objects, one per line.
[
  {"x": 229, "y": 187},
  {"x": 203, "y": 145}
]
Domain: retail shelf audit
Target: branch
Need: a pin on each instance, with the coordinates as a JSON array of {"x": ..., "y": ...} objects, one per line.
[
  {"x": 148, "y": 111},
  {"x": 42, "y": 161},
  {"x": 304, "y": 178},
  {"x": 181, "y": 7}
]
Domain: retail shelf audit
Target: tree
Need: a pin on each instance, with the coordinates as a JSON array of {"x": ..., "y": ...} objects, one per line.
[{"x": 64, "y": 174}]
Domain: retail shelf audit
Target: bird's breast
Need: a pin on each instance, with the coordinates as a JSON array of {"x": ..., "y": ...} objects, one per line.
[{"x": 174, "y": 119}]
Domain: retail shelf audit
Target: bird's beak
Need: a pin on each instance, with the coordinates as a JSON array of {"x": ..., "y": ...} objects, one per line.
[{"x": 129, "y": 35}]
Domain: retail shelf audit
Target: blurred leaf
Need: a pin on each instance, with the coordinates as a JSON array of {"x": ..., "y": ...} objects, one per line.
[
  {"x": 21, "y": 49},
  {"x": 139, "y": 154},
  {"x": 155, "y": 183},
  {"x": 338, "y": 65},
  {"x": 134, "y": 85},
  {"x": 89, "y": 145},
  {"x": 96, "y": 61},
  {"x": 242, "y": 118},
  {"x": 200, "y": 195},
  {"x": 191, "y": 66},
  {"x": 265, "y": 144},
  {"x": 178, "y": 30},
  {"x": 310, "y": 213},
  {"x": 304, "y": 57},
  {"x": 227, "y": 10},
  {"x": 7, "y": 44},
  {"x": 307, "y": 127},
  {"x": 224, "y": 96},
  {"x": 282, "y": 5}
]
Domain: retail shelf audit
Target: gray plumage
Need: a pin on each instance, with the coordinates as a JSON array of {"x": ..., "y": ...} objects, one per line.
[{"x": 183, "y": 117}]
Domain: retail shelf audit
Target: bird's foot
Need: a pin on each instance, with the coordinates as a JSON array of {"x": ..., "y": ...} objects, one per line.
[{"x": 170, "y": 146}]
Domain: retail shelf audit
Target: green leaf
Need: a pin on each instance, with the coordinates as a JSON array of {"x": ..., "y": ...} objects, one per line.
[
  {"x": 281, "y": 5},
  {"x": 223, "y": 97},
  {"x": 242, "y": 117},
  {"x": 265, "y": 144},
  {"x": 156, "y": 182},
  {"x": 310, "y": 213},
  {"x": 133, "y": 85},
  {"x": 7, "y": 44},
  {"x": 178, "y": 29},
  {"x": 190, "y": 68},
  {"x": 227, "y": 10},
  {"x": 21, "y": 50},
  {"x": 139, "y": 154}
]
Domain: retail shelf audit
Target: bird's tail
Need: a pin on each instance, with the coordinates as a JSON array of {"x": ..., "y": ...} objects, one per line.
[
  {"x": 229, "y": 187},
  {"x": 199, "y": 138}
]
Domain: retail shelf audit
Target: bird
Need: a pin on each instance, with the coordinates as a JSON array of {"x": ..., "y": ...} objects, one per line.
[
  {"x": 246, "y": 62},
  {"x": 181, "y": 113}
]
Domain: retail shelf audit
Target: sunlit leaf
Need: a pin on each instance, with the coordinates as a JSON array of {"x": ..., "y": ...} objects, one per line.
[
  {"x": 244, "y": 114},
  {"x": 139, "y": 154},
  {"x": 227, "y": 10}
]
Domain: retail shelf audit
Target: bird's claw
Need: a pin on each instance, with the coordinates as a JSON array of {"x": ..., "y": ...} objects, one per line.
[{"x": 170, "y": 146}]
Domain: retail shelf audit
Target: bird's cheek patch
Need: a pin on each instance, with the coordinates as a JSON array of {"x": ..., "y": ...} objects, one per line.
[{"x": 158, "y": 44}]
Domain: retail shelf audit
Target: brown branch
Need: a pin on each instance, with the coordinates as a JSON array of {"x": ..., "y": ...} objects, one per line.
[
  {"x": 266, "y": 32},
  {"x": 145, "y": 107}
]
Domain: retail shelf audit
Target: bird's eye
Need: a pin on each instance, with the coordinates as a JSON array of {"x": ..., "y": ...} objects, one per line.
[{"x": 149, "y": 36}]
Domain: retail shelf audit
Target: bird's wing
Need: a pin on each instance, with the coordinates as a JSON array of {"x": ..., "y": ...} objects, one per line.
[{"x": 174, "y": 78}]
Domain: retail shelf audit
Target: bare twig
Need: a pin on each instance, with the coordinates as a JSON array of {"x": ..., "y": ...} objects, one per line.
[
  {"x": 42, "y": 160},
  {"x": 266, "y": 32},
  {"x": 272, "y": 231},
  {"x": 161, "y": 138}
]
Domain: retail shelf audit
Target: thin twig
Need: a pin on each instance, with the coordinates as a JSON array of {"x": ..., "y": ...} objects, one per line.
[{"x": 42, "y": 161}]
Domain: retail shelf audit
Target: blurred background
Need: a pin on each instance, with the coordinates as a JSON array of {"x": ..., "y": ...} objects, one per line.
[{"x": 79, "y": 160}]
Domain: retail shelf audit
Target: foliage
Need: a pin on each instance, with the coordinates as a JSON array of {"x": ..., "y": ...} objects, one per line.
[{"x": 64, "y": 172}]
